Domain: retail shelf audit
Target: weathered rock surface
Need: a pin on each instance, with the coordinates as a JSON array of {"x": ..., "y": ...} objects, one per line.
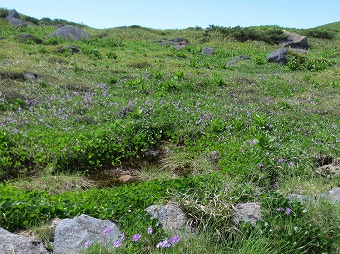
[
  {"x": 247, "y": 212},
  {"x": 278, "y": 56},
  {"x": 69, "y": 32},
  {"x": 72, "y": 234},
  {"x": 294, "y": 41},
  {"x": 332, "y": 195},
  {"x": 328, "y": 170},
  {"x": 12, "y": 243},
  {"x": 236, "y": 59},
  {"x": 28, "y": 38},
  {"x": 208, "y": 51},
  {"x": 71, "y": 49},
  {"x": 13, "y": 17},
  {"x": 171, "y": 217},
  {"x": 178, "y": 43}
]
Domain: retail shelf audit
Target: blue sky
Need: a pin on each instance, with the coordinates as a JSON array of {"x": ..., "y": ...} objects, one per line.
[{"x": 177, "y": 14}]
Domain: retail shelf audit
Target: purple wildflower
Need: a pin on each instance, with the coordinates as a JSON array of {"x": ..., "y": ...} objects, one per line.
[
  {"x": 252, "y": 142},
  {"x": 107, "y": 230},
  {"x": 117, "y": 243},
  {"x": 279, "y": 209},
  {"x": 288, "y": 211},
  {"x": 281, "y": 160},
  {"x": 136, "y": 237},
  {"x": 175, "y": 239},
  {"x": 260, "y": 165},
  {"x": 87, "y": 244},
  {"x": 291, "y": 164},
  {"x": 242, "y": 150},
  {"x": 163, "y": 244},
  {"x": 122, "y": 236},
  {"x": 149, "y": 230},
  {"x": 277, "y": 144}
]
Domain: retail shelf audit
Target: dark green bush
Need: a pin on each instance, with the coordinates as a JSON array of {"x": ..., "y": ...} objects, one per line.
[
  {"x": 32, "y": 20},
  {"x": 301, "y": 62},
  {"x": 3, "y": 13},
  {"x": 242, "y": 34},
  {"x": 320, "y": 34}
]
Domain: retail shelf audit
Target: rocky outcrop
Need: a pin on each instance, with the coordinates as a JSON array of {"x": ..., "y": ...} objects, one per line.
[
  {"x": 208, "y": 51},
  {"x": 69, "y": 32},
  {"x": 246, "y": 212},
  {"x": 171, "y": 217},
  {"x": 332, "y": 196},
  {"x": 13, "y": 17},
  {"x": 278, "y": 56},
  {"x": 236, "y": 59},
  {"x": 178, "y": 43},
  {"x": 71, "y": 235},
  {"x": 12, "y": 243},
  {"x": 294, "y": 41},
  {"x": 28, "y": 38}
]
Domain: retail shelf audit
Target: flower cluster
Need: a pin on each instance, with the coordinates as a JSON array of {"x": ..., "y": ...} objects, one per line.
[
  {"x": 135, "y": 238},
  {"x": 288, "y": 210},
  {"x": 168, "y": 242}
]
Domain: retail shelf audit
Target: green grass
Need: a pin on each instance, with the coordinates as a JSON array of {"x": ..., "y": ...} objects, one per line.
[
  {"x": 333, "y": 26},
  {"x": 72, "y": 124}
]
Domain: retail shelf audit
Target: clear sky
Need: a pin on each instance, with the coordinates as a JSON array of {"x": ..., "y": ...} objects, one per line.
[{"x": 178, "y": 14}]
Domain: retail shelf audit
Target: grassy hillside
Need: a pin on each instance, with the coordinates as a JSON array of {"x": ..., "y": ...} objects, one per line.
[
  {"x": 331, "y": 26},
  {"x": 187, "y": 128}
]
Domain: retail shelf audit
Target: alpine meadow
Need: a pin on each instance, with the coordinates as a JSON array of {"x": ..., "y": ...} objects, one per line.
[{"x": 110, "y": 122}]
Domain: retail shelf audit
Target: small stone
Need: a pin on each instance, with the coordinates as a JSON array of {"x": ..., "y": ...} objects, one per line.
[
  {"x": 208, "y": 51},
  {"x": 125, "y": 178},
  {"x": 247, "y": 212},
  {"x": 171, "y": 217},
  {"x": 278, "y": 56}
]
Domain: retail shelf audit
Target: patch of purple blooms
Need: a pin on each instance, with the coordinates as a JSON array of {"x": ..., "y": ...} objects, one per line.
[
  {"x": 136, "y": 237},
  {"x": 168, "y": 242},
  {"x": 107, "y": 230},
  {"x": 288, "y": 210}
]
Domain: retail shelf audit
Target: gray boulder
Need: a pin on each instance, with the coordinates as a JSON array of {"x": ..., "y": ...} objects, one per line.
[
  {"x": 28, "y": 38},
  {"x": 69, "y": 32},
  {"x": 278, "y": 56},
  {"x": 171, "y": 217},
  {"x": 300, "y": 198},
  {"x": 294, "y": 41},
  {"x": 247, "y": 212},
  {"x": 72, "y": 234},
  {"x": 13, "y": 17},
  {"x": 208, "y": 51},
  {"x": 333, "y": 195},
  {"x": 12, "y": 243}
]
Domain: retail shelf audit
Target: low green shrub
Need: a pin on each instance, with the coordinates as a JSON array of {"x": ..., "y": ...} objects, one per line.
[
  {"x": 300, "y": 62},
  {"x": 267, "y": 34},
  {"x": 288, "y": 225}
]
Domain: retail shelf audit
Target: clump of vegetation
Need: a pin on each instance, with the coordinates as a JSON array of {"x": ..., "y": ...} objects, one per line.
[{"x": 242, "y": 34}]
